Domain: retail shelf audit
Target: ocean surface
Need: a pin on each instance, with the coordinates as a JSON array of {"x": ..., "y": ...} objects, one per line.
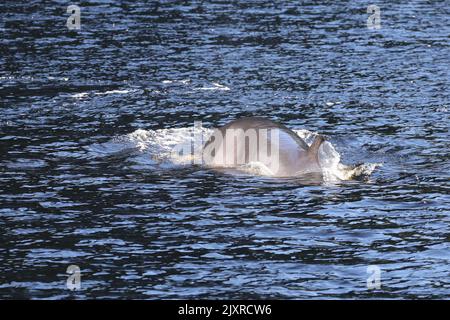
[{"x": 89, "y": 119}]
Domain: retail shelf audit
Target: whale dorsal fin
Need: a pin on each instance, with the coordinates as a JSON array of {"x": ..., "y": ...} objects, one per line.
[{"x": 313, "y": 150}]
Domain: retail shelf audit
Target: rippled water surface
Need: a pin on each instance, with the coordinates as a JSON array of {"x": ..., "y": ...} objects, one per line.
[{"x": 86, "y": 116}]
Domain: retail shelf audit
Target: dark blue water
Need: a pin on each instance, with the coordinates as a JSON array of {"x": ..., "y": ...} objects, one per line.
[{"x": 139, "y": 229}]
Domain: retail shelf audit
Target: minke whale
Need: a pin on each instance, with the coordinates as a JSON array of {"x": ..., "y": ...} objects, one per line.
[{"x": 272, "y": 146}]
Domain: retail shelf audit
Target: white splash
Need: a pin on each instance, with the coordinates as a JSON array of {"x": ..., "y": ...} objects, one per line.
[
  {"x": 330, "y": 161},
  {"x": 257, "y": 168},
  {"x": 183, "y": 147}
]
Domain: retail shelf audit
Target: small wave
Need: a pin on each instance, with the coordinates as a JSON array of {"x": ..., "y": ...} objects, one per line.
[
  {"x": 113, "y": 92},
  {"x": 215, "y": 86},
  {"x": 80, "y": 95},
  {"x": 85, "y": 94},
  {"x": 185, "y": 81}
]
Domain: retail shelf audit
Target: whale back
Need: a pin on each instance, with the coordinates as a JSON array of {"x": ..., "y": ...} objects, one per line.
[
  {"x": 246, "y": 123},
  {"x": 294, "y": 153}
]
